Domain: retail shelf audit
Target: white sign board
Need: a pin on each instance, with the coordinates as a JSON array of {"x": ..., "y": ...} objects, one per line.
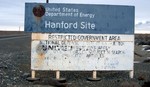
[{"x": 82, "y": 51}]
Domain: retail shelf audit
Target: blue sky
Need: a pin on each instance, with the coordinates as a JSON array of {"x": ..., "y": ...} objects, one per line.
[{"x": 12, "y": 11}]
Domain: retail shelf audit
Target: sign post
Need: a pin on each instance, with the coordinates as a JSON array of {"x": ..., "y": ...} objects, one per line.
[
  {"x": 71, "y": 37},
  {"x": 94, "y": 77},
  {"x": 47, "y": 1}
]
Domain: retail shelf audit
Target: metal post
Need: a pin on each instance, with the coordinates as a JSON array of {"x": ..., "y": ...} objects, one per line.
[{"x": 47, "y": 1}]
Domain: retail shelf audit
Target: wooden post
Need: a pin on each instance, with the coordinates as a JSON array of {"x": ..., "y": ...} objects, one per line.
[
  {"x": 33, "y": 74},
  {"x": 32, "y": 78},
  {"x": 94, "y": 76},
  {"x": 58, "y": 78},
  {"x": 57, "y": 74},
  {"x": 131, "y": 74},
  {"x": 19, "y": 28}
]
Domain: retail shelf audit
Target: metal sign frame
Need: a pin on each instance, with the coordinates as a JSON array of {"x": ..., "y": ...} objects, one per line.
[{"x": 105, "y": 20}]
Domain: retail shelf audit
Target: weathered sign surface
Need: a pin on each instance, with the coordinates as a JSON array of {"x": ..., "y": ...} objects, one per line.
[
  {"x": 82, "y": 51},
  {"x": 79, "y": 18},
  {"x": 80, "y": 36}
]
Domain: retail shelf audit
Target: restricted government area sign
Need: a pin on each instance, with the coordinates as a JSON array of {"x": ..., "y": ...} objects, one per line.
[
  {"x": 82, "y": 51},
  {"x": 79, "y": 18}
]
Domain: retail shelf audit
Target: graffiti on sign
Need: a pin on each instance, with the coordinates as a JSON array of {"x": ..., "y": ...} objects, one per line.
[
  {"x": 82, "y": 37},
  {"x": 82, "y": 52}
]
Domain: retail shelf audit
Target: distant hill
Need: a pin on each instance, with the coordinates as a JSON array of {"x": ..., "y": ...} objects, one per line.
[
  {"x": 8, "y": 33},
  {"x": 142, "y": 39}
]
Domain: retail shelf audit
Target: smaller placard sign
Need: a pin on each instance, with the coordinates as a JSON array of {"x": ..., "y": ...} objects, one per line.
[{"x": 82, "y": 52}]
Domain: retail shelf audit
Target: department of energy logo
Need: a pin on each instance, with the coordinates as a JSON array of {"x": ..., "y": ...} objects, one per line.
[{"x": 39, "y": 10}]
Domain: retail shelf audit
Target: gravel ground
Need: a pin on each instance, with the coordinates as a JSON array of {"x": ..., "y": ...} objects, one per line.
[{"x": 15, "y": 66}]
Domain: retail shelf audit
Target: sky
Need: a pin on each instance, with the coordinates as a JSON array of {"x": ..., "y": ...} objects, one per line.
[{"x": 12, "y": 11}]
